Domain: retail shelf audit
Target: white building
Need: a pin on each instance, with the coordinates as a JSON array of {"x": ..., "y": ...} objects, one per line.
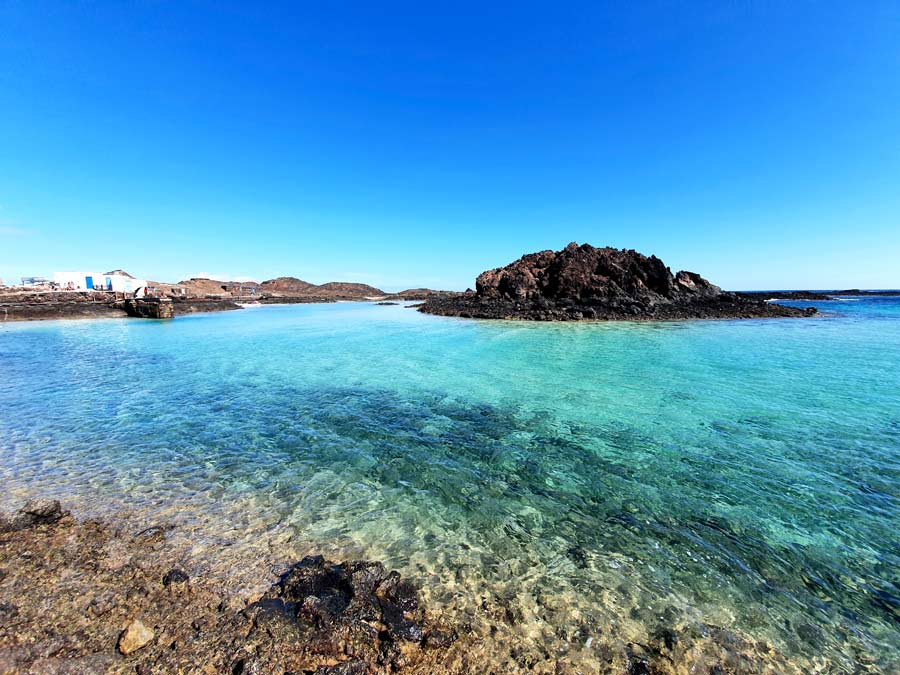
[{"x": 118, "y": 281}]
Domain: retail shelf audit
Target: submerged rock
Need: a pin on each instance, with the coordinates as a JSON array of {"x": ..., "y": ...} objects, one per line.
[
  {"x": 136, "y": 636},
  {"x": 35, "y": 512},
  {"x": 584, "y": 282},
  {"x": 175, "y": 576}
]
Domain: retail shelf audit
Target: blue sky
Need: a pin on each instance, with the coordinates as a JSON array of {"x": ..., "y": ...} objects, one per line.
[{"x": 407, "y": 144}]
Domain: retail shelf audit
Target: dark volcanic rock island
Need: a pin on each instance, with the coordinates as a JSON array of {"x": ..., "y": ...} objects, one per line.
[{"x": 584, "y": 282}]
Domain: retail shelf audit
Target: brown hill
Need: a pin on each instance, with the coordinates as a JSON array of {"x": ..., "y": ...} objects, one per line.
[
  {"x": 282, "y": 287},
  {"x": 421, "y": 293},
  {"x": 346, "y": 290},
  {"x": 201, "y": 286},
  {"x": 285, "y": 285}
]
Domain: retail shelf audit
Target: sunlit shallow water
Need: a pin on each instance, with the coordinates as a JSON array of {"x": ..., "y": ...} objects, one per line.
[{"x": 570, "y": 488}]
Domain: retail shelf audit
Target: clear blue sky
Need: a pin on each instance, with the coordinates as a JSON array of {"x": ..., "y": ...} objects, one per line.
[{"x": 406, "y": 144}]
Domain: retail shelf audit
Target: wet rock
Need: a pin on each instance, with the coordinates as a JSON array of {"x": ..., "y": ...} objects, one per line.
[
  {"x": 328, "y": 594},
  {"x": 154, "y": 533},
  {"x": 810, "y": 634},
  {"x": 102, "y": 604},
  {"x": 398, "y": 592},
  {"x": 355, "y": 667},
  {"x": 439, "y": 639},
  {"x": 135, "y": 637},
  {"x": 578, "y": 556},
  {"x": 8, "y": 611},
  {"x": 667, "y": 636},
  {"x": 37, "y": 512},
  {"x": 639, "y": 667},
  {"x": 175, "y": 576}
]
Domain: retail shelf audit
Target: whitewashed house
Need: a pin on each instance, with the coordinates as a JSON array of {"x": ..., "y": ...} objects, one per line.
[{"x": 117, "y": 280}]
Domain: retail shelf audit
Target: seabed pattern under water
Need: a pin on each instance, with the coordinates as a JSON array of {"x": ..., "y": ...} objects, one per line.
[{"x": 578, "y": 496}]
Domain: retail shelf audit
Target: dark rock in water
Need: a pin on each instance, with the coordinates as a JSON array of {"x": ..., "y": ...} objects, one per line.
[
  {"x": 42, "y": 511},
  {"x": 666, "y": 636},
  {"x": 35, "y": 512},
  {"x": 8, "y": 611},
  {"x": 318, "y": 594},
  {"x": 578, "y": 556},
  {"x": 810, "y": 634},
  {"x": 639, "y": 667},
  {"x": 175, "y": 576},
  {"x": 438, "y": 639},
  {"x": 583, "y": 282},
  {"x": 154, "y": 533},
  {"x": 387, "y": 302}
]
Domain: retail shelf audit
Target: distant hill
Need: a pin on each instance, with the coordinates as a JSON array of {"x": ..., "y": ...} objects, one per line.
[
  {"x": 281, "y": 287},
  {"x": 285, "y": 285},
  {"x": 344, "y": 289},
  {"x": 201, "y": 286}
]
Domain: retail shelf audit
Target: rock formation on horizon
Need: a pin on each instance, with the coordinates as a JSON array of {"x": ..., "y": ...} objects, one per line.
[
  {"x": 281, "y": 289},
  {"x": 584, "y": 282},
  {"x": 286, "y": 285}
]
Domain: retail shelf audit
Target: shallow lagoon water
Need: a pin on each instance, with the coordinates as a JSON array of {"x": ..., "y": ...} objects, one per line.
[{"x": 572, "y": 488}]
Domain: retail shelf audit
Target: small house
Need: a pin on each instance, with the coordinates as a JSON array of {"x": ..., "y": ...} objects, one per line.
[{"x": 118, "y": 281}]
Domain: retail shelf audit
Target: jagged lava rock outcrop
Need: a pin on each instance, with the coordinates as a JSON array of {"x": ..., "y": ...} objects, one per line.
[{"x": 584, "y": 282}]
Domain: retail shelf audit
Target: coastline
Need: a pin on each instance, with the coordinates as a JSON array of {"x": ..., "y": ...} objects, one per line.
[
  {"x": 48, "y": 306},
  {"x": 128, "y": 596},
  {"x": 125, "y": 601},
  {"x": 493, "y": 309},
  {"x": 74, "y": 305}
]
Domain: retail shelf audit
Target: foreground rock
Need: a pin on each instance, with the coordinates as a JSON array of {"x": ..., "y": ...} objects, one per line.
[
  {"x": 135, "y": 637},
  {"x": 583, "y": 282},
  {"x": 89, "y": 598},
  {"x": 96, "y": 597}
]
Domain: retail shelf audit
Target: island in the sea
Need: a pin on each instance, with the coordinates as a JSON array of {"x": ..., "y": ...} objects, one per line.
[{"x": 584, "y": 282}]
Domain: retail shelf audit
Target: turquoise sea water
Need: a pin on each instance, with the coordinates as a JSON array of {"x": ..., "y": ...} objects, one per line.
[{"x": 572, "y": 488}]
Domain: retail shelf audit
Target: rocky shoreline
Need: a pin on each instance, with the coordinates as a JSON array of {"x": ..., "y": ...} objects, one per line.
[
  {"x": 89, "y": 597},
  {"x": 91, "y": 305},
  {"x": 588, "y": 283},
  {"x": 99, "y": 596},
  {"x": 52, "y": 305}
]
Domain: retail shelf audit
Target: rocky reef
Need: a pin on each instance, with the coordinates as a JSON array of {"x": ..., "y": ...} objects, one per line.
[{"x": 584, "y": 282}]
